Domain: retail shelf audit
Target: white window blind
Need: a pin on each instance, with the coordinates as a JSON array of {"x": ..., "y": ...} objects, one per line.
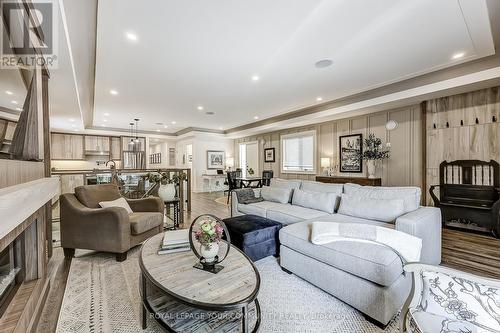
[{"x": 298, "y": 152}]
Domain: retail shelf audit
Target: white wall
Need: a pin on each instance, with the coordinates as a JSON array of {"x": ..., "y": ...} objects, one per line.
[{"x": 201, "y": 144}]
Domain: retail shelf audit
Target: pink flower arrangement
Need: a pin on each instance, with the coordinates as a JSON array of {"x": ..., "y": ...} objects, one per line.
[{"x": 210, "y": 232}]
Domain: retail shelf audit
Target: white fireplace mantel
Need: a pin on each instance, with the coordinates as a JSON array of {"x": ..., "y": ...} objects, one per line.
[{"x": 19, "y": 202}]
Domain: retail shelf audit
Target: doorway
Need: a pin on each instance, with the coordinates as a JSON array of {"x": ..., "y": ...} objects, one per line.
[{"x": 249, "y": 158}]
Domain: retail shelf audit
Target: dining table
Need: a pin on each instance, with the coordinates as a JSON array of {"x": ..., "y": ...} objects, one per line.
[{"x": 248, "y": 181}]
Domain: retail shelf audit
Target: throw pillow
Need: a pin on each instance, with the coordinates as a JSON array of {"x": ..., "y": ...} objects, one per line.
[
  {"x": 385, "y": 210},
  {"x": 315, "y": 200},
  {"x": 120, "y": 202},
  {"x": 276, "y": 194},
  {"x": 461, "y": 299}
]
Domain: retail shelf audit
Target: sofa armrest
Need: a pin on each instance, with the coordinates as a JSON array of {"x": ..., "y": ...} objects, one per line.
[
  {"x": 100, "y": 229},
  {"x": 424, "y": 223},
  {"x": 235, "y": 203},
  {"x": 150, "y": 204}
]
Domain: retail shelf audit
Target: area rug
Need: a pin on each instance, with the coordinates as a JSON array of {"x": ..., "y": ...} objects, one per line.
[{"x": 102, "y": 295}]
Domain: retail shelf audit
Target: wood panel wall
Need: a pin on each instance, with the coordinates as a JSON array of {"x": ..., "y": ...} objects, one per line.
[
  {"x": 464, "y": 126},
  {"x": 403, "y": 168},
  {"x": 13, "y": 172}
]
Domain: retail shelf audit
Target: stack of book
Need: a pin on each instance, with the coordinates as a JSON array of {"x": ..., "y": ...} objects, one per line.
[{"x": 175, "y": 241}]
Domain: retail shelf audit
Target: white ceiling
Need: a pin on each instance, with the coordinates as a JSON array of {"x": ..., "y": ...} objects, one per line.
[
  {"x": 195, "y": 52},
  {"x": 12, "y": 90}
]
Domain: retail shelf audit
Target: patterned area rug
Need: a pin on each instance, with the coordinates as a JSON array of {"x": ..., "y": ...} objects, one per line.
[{"x": 103, "y": 296}]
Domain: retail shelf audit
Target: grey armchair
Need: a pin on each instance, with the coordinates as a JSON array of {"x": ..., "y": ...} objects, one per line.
[{"x": 85, "y": 225}]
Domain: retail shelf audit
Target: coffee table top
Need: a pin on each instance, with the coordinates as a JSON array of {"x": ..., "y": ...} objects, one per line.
[{"x": 234, "y": 286}]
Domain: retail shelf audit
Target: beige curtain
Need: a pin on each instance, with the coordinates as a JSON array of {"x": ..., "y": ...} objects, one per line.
[{"x": 25, "y": 140}]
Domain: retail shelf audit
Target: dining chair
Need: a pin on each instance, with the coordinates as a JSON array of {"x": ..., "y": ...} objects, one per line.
[
  {"x": 266, "y": 177},
  {"x": 232, "y": 183}
]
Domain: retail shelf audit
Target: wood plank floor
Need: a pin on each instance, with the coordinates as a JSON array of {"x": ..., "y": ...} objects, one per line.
[{"x": 468, "y": 252}]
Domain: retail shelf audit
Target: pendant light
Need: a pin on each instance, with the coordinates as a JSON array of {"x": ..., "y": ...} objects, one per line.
[
  {"x": 131, "y": 144},
  {"x": 137, "y": 141}
]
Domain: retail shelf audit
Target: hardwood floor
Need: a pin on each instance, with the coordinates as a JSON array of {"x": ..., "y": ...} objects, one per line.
[
  {"x": 468, "y": 252},
  {"x": 472, "y": 253}
]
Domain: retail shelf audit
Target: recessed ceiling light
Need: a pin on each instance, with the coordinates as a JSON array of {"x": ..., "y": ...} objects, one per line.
[
  {"x": 255, "y": 78},
  {"x": 221, "y": 128},
  {"x": 103, "y": 125},
  {"x": 113, "y": 92},
  {"x": 131, "y": 36},
  {"x": 319, "y": 99},
  {"x": 165, "y": 126},
  {"x": 323, "y": 63},
  {"x": 157, "y": 130},
  {"x": 200, "y": 107},
  {"x": 256, "y": 117},
  {"x": 19, "y": 109},
  {"x": 173, "y": 123},
  {"x": 14, "y": 102},
  {"x": 72, "y": 120},
  {"x": 458, "y": 55},
  {"x": 106, "y": 114},
  {"x": 8, "y": 92},
  {"x": 73, "y": 125},
  {"x": 75, "y": 129},
  {"x": 105, "y": 120}
]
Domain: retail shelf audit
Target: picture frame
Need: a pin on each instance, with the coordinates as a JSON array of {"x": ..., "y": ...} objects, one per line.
[
  {"x": 350, "y": 150},
  {"x": 269, "y": 155},
  {"x": 216, "y": 159}
]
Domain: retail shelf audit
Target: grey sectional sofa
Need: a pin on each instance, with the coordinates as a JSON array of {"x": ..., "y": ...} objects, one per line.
[{"x": 367, "y": 276}]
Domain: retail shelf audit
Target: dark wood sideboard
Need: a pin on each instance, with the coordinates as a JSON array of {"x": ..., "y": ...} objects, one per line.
[{"x": 355, "y": 180}]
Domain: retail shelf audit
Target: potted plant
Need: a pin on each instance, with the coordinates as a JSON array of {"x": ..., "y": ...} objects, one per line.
[
  {"x": 373, "y": 152},
  {"x": 209, "y": 236},
  {"x": 167, "y": 183}
]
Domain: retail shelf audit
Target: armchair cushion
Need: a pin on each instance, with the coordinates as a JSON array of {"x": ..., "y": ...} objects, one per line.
[
  {"x": 91, "y": 195},
  {"x": 461, "y": 299},
  {"x": 425, "y": 322},
  {"x": 120, "y": 202},
  {"x": 142, "y": 222}
]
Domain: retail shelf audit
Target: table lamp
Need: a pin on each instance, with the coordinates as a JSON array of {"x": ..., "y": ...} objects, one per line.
[{"x": 325, "y": 165}]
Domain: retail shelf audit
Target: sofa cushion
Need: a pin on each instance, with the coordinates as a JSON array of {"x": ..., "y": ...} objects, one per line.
[
  {"x": 287, "y": 214},
  {"x": 386, "y": 210},
  {"x": 259, "y": 208},
  {"x": 286, "y": 183},
  {"x": 367, "y": 260},
  {"x": 410, "y": 195},
  {"x": 312, "y": 186},
  {"x": 120, "y": 202},
  {"x": 315, "y": 200},
  {"x": 276, "y": 194},
  {"x": 341, "y": 218},
  {"x": 459, "y": 298},
  {"x": 91, "y": 195},
  {"x": 142, "y": 222}
]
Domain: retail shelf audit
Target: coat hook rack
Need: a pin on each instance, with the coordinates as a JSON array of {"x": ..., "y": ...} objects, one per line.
[
  {"x": 477, "y": 120},
  {"x": 461, "y": 122}
]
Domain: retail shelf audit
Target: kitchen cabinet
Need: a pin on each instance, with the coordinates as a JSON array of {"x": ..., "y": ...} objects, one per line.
[
  {"x": 66, "y": 146},
  {"x": 116, "y": 151},
  {"x": 96, "y": 144}
]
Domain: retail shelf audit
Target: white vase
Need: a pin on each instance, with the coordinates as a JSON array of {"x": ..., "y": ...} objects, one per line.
[
  {"x": 209, "y": 252},
  {"x": 167, "y": 192},
  {"x": 370, "y": 165}
]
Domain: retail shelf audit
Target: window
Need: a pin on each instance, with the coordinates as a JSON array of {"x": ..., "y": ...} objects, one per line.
[{"x": 298, "y": 152}]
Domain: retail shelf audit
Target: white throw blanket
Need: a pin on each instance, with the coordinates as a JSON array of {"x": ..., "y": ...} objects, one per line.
[{"x": 408, "y": 247}]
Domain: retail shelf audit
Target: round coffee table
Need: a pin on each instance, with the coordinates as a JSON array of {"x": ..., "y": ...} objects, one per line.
[{"x": 182, "y": 298}]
